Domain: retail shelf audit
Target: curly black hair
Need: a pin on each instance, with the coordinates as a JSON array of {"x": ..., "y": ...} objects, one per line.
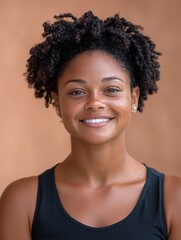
[{"x": 69, "y": 36}]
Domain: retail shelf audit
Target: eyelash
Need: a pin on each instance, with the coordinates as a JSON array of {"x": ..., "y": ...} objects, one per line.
[
  {"x": 76, "y": 92},
  {"x": 113, "y": 90},
  {"x": 80, "y": 92}
]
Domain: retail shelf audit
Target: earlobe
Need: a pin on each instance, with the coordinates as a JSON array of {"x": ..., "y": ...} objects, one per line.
[
  {"x": 135, "y": 95},
  {"x": 134, "y": 108},
  {"x": 54, "y": 98},
  {"x": 55, "y": 103},
  {"x": 134, "y": 98}
]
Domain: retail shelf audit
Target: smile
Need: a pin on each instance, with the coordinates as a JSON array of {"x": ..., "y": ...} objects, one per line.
[
  {"x": 96, "y": 122},
  {"x": 99, "y": 120}
]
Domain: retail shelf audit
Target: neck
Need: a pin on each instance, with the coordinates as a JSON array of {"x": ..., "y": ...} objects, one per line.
[{"x": 99, "y": 164}]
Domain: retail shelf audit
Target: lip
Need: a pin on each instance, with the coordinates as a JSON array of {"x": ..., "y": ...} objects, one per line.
[
  {"x": 95, "y": 117},
  {"x": 92, "y": 120}
]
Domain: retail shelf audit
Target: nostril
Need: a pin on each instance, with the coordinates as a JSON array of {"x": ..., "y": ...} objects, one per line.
[
  {"x": 95, "y": 105},
  {"x": 101, "y": 107}
]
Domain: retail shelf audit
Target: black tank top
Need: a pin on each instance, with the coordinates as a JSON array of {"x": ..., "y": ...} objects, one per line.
[{"x": 145, "y": 222}]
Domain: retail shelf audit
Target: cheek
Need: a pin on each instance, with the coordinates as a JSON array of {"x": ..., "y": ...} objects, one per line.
[
  {"x": 123, "y": 103},
  {"x": 123, "y": 110},
  {"x": 69, "y": 108}
]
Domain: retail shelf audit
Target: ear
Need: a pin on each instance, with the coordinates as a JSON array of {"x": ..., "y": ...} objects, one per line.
[
  {"x": 55, "y": 103},
  {"x": 134, "y": 98},
  {"x": 55, "y": 99}
]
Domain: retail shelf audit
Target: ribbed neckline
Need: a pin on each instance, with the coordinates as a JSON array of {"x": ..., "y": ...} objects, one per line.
[{"x": 123, "y": 221}]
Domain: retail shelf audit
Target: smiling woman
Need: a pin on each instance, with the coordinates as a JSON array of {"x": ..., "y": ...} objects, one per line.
[
  {"x": 98, "y": 96},
  {"x": 96, "y": 73}
]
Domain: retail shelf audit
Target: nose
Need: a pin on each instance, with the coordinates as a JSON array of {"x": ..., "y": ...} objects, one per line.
[{"x": 94, "y": 102}]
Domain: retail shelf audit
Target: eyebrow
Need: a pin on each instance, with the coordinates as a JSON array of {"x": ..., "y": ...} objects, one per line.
[{"x": 105, "y": 79}]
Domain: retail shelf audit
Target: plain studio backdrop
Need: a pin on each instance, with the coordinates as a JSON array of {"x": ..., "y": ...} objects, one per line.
[{"x": 32, "y": 137}]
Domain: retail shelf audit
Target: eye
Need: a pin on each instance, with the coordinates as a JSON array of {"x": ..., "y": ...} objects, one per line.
[
  {"x": 112, "y": 90},
  {"x": 76, "y": 92}
]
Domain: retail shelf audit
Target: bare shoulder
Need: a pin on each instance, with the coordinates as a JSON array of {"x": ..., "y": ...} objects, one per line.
[
  {"x": 21, "y": 185},
  {"x": 20, "y": 192},
  {"x": 172, "y": 189},
  {"x": 17, "y": 205}
]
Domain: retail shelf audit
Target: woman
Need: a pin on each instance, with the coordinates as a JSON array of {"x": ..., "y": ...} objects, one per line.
[{"x": 96, "y": 74}]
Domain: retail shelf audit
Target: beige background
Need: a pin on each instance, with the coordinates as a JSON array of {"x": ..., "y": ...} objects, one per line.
[{"x": 32, "y": 138}]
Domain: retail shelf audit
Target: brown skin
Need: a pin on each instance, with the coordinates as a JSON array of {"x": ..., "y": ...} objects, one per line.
[{"x": 98, "y": 167}]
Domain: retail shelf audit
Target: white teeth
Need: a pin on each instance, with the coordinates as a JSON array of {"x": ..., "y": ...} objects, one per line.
[{"x": 96, "y": 120}]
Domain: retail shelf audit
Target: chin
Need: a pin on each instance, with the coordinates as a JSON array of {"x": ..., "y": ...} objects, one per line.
[{"x": 99, "y": 139}]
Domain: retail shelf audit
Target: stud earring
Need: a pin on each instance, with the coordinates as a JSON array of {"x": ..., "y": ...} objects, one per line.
[
  {"x": 134, "y": 108},
  {"x": 58, "y": 112},
  {"x": 57, "y": 109}
]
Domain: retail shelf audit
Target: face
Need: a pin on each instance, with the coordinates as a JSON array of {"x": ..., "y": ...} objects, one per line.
[{"x": 95, "y": 98}]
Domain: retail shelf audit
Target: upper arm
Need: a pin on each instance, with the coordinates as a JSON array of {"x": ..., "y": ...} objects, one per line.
[
  {"x": 16, "y": 206},
  {"x": 173, "y": 206}
]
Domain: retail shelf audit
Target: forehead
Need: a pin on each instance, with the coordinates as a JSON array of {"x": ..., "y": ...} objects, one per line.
[{"x": 93, "y": 63}]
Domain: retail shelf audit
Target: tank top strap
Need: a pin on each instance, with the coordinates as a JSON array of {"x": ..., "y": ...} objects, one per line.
[
  {"x": 155, "y": 197},
  {"x": 44, "y": 198}
]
